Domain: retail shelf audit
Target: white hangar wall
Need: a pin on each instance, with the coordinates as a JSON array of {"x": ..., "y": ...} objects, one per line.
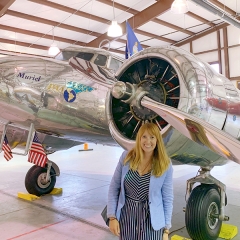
[
  {"x": 207, "y": 48},
  {"x": 205, "y": 43}
]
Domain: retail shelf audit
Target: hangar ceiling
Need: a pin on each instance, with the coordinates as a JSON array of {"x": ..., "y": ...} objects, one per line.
[{"x": 28, "y": 26}]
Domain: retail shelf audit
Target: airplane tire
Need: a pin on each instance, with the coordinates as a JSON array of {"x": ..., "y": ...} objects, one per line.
[
  {"x": 202, "y": 203},
  {"x": 34, "y": 180}
]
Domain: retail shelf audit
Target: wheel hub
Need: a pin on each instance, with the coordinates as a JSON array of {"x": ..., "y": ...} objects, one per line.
[
  {"x": 41, "y": 181},
  {"x": 212, "y": 220}
]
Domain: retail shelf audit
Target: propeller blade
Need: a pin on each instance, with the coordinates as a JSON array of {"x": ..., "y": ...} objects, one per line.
[{"x": 197, "y": 130}]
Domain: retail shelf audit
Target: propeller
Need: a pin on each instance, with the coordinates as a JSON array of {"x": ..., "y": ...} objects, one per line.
[
  {"x": 153, "y": 77},
  {"x": 197, "y": 130},
  {"x": 192, "y": 127}
]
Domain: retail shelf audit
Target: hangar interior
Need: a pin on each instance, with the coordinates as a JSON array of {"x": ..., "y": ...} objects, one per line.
[
  {"x": 29, "y": 27},
  {"x": 84, "y": 179}
]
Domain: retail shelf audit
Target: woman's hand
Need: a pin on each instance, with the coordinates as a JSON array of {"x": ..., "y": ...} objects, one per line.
[
  {"x": 114, "y": 227},
  {"x": 165, "y": 236}
]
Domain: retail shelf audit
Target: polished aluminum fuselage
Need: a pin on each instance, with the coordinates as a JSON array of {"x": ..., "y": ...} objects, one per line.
[
  {"x": 204, "y": 94},
  {"x": 35, "y": 90},
  {"x": 74, "y": 104}
]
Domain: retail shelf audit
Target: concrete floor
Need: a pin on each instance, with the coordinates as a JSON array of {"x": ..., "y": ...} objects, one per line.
[{"x": 85, "y": 177}]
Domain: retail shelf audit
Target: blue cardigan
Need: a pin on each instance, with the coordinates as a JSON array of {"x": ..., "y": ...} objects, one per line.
[{"x": 160, "y": 195}]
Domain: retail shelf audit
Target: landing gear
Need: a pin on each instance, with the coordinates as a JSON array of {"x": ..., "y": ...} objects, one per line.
[
  {"x": 40, "y": 181},
  {"x": 202, "y": 211},
  {"x": 205, "y": 207}
]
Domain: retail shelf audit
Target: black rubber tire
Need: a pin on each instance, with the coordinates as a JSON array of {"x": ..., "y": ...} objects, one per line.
[
  {"x": 199, "y": 225},
  {"x": 33, "y": 182}
]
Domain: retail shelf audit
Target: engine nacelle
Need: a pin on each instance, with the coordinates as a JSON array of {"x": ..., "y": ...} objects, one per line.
[{"x": 179, "y": 79}]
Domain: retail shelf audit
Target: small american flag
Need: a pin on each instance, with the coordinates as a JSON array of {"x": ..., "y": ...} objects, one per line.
[
  {"x": 36, "y": 153},
  {"x": 7, "y": 150}
]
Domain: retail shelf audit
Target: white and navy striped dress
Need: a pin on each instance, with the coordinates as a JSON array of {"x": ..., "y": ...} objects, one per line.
[{"x": 135, "y": 222}]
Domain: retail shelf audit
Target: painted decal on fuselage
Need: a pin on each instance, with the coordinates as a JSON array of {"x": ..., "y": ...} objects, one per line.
[
  {"x": 55, "y": 88},
  {"x": 73, "y": 88},
  {"x": 69, "y": 95},
  {"x": 78, "y": 87},
  {"x": 29, "y": 77},
  {"x": 70, "y": 90}
]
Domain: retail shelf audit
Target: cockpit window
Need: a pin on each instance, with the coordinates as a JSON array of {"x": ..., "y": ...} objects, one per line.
[
  {"x": 115, "y": 64},
  {"x": 85, "y": 55},
  {"x": 66, "y": 55},
  {"x": 100, "y": 60}
]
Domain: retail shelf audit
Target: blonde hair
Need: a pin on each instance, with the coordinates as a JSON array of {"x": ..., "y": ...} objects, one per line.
[{"x": 160, "y": 161}]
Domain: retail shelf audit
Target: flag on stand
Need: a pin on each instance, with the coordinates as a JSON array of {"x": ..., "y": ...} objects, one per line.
[
  {"x": 6, "y": 149},
  {"x": 36, "y": 153},
  {"x": 133, "y": 45}
]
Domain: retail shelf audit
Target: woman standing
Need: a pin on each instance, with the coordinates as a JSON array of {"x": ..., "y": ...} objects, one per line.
[{"x": 140, "y": 197}]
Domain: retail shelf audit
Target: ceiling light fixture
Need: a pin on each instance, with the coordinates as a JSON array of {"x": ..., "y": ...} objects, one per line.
[
  {"x": 114, "y": 30},
  {"x": 53, "y": 50},
  {"x": 179, "y": 7}
]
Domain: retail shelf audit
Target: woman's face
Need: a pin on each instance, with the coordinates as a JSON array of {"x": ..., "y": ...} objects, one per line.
[{"x": 148, "y": 142}]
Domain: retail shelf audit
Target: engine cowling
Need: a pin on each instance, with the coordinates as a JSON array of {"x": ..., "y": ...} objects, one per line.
[{"x": 179, "y": 79}]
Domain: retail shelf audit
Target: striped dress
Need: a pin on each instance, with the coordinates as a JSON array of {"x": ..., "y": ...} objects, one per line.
[{"x": 135, "y": 222}]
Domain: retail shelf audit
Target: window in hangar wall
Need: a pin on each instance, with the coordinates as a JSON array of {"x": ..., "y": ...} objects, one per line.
[{"x": 215, "y": 66}]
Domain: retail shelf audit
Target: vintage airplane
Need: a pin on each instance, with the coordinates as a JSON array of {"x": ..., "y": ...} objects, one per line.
[
  {"x": 63, "y": 106},
  {"x": 167, "y": 86}
]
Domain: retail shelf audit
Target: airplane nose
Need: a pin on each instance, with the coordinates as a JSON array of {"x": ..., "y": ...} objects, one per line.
[
  {"x": 122, "y": 90},
  {"x": 130, "y": 93}
]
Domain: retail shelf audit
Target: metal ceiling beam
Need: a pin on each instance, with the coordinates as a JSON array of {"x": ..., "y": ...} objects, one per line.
[
  {"x": 153, "y": 36},
  {"x": 13, "y": 53},
  {"x": 119, "y": 6},
  {"x": 93, "y": 17},
  {"x": 124, "y": 42},
  {"x": 200, "y": 19},
  {"x": 115, "y": 50},
  {"x": 226, "y": 55},
  {"x": 201, "y": 34},
  {"x": 156, "y": 20},
  {"x": 23, "y": 44},
  {"x": 4, "y": 5},
  {"x": 116, "y": 5},
  {"x": 219, "y": 51},
  {"x": 223, "y": 7},
  {"x": 71, "y": 10},
  {"x": 41, "y": 47},
  {"x": 175, "y": 27},
  {"x": 139, "y": 19},
  {"x": 51, "y": 23},
  {"x": 78, "y": 13},
  {"x": 212, "y": 7},
  {"x": 40, "y": 35}
]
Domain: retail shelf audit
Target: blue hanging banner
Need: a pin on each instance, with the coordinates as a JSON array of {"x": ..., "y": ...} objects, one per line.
[{"x": 133, "y": 45}]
